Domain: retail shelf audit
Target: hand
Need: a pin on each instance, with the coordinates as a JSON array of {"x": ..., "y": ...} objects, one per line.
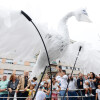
[
  {"x": 90, "y": 80},
  {"x": 25, "y": 89},
  {"x": 10, "y": 90},
  {"x": 16, "y": 91},
  {"x": 80, "y": 83}
]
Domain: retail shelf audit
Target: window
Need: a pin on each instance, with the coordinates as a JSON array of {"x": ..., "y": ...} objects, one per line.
[
  {"x": 10, "y": 61},
  {"x": 18, "y": 72},
  {"x": 63, "y": 68},
  {"x": 66, "y": 67},
  {"x": 70, "y": 67},
  {"x": 78, "y": 68},
  {"x": 6, "y": 71},
  {"x": 20, "y": 63},
  {"x": 32, "y": 64}
]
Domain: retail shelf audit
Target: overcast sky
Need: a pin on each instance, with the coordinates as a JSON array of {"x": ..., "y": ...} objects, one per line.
[{"x": 51, "y": 10}]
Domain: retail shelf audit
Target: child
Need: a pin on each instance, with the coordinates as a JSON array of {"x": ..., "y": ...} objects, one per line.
[
  {"x": 31, "y": 91},
  {"x": 86, "y": 85},
  {"x": 98, "y": 92}
]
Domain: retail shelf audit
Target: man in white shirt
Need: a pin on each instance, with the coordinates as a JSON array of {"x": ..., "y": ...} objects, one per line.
[
  {"x": 64, "y": 84},
  {"x": 40, "y": 95}
]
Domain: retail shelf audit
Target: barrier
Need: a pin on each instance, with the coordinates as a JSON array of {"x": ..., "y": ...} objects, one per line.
[{"x": 58, "y": 96}]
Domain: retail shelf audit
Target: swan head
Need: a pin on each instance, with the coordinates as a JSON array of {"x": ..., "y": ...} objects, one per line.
[{"x": 82, "y": 15}]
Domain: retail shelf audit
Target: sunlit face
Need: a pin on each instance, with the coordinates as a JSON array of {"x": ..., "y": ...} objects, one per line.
[
  {"x": 4, "y": 78},
  {"x": 86, "y": 77},
  {"x": 31, "y": 87},
  {"x": 99, "y": 86},
  {"x": 91, "y": 75},
  {"x": 14, "y": 76},
  {"x": 45, "y": 85},
  {"x": 26, "y": 73}
]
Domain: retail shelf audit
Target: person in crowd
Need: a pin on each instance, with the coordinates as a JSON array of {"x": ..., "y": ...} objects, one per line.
[
  {"x": 30, "y": 92},
  {"x": 80, "y": 84},
  {"x": 12, "y": 85},
  {"x": 3, "y": 88},
  {"x": 64, "y": 84},
  {"x": 0, "y": 78},
  {"x": 40, "y": 94},
  {"x": 98, "y": 92},
  {"x": 92, "y": 84},
  {"x": 24, "y": 83},
  {"x": 88, "y": 75},
  {"x": 72, "y": 87},
  {"x": 46, "y": 89},
  {"x": 34, "y": 82},
  {"x": 55, "y": 89},
  {"x": 59, "y": 71},
  {"x": 86, "y": 85},
  {"x": 46, "y": 79},
  {"x": 80, "y": 81}
]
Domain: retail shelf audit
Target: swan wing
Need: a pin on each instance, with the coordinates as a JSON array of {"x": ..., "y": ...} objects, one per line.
[{"x": 88, "y": 59}]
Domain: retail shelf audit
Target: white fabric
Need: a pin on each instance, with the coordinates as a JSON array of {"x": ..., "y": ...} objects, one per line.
[
  {"x": 40, "y": 95},
  {"x": 98, "y": 91},
  {"x": 72, "y": 85},
  {"x": 88, "y": 59},
  {"x": 58, "y": 78},
  {"x": 64, "y": 82},
  {"x": 84, "y": 84},
  {"x": 55, "y": 87},
  {"x": 21, "y": 42}
]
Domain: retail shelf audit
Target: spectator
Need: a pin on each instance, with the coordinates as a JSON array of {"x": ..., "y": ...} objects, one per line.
[
  {"x": 63, "y": 84},
  {"x": 45, "y": 79},
  {"x": 80, "y": 81},
  {"x": 98, "y": 92},
  {"x": 30, "y": 92},
  {"x": 23, "y": 85},
  {"x": 3, "y": 88},
  {"x": 12, "y": 85},
  {"x": 34, "y": 83},
  {"x": 86, "y": 85},
  {"x": 40, "y": 94},
  {"x": 55, "y": 89},
  {"x": 92, "y": 83},
  {"x": 46, "y": 89},
  {"x": 59, "y": 71},
  {"x": 71, "y": 87}
]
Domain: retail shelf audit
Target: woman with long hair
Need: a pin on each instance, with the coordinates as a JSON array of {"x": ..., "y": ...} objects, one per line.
[{"x": 12, "y": 85}]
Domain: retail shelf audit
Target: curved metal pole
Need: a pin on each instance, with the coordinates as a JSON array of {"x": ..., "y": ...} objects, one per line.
[
  {"x": 73, "y": 68},
  {"x": 29, "y": 19}
]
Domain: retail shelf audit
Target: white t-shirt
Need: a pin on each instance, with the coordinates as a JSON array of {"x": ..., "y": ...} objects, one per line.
[
  {"x": 58, "y": 78},
  {"x": 40, "y": 95},
  {"x": 64, "y": 82},
  {"x": 98, "y": 91},
  {"x": 84, "y": 85},
  {"x": 55, "y": 87},
  {"x": 72, "y": 85},
  {"x": 35, "y": 84}
]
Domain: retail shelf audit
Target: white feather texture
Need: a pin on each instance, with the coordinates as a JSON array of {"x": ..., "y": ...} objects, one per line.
[
  {"x": 20, "y": 40},
  {"x": 88, "y": 59}
]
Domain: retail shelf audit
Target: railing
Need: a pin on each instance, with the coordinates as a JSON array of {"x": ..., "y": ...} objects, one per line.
[{"x": 81, "y": 96}]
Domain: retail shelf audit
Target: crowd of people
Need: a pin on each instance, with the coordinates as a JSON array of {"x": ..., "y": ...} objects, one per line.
[{"x": 64, "y": 87}]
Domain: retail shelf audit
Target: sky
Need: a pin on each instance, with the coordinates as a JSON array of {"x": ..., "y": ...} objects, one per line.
[{"x": 50, "y": 11}]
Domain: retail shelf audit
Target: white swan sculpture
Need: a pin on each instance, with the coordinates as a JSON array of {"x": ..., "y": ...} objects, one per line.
[
  {"x": 18, "y": 40},
  {"x": 57, "y": 44}
]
